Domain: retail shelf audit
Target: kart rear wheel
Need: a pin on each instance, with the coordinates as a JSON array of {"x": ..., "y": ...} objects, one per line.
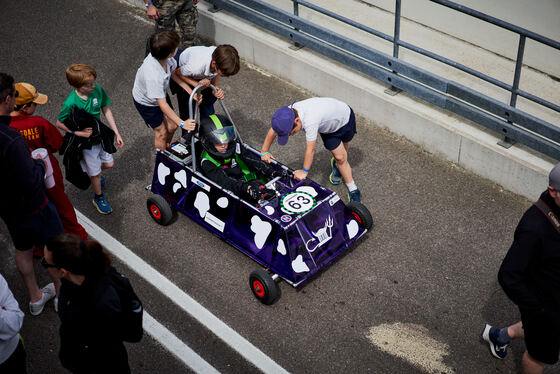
[
  {"x": 361, "y": 214},
  {"x": 263, "y": 286},
  {"x": 159, "y": 210}
]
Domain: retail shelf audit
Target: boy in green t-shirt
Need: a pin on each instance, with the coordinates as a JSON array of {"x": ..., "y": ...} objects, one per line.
[{"x": 93, "y": 99}]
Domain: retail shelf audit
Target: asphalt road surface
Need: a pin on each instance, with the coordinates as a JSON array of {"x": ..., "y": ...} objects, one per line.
[{"x": 411, "y": 297}]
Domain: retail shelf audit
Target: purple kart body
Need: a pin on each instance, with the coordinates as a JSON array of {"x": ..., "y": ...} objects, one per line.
[{"x": 294, "y": 234}]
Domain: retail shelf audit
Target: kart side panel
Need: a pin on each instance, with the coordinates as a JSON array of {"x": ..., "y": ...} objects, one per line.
[{"x": 293, "y": 244}]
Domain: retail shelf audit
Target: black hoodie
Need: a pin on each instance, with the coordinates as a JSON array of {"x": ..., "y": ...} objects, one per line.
[
  {"x": 22, "y": 189},
  {"x": 530, "y": 272}
]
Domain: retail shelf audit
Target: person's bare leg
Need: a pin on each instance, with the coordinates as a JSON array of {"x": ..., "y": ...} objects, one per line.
[
  {"x": 340, "y": 155},
  {"x": 170, "y": 130},
  {"x": 160, "y": 137},
  {"x": 96, "y": 184},
  {"x": 107, "y": 165},
  {"x": 24, "y": 263},
  {"x": 530, "y": 365},
  {"x": 515, "y": 331}
]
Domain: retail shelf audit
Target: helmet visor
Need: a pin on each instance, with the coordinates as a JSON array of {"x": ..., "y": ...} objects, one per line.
[{"x": 221, "y": 136}]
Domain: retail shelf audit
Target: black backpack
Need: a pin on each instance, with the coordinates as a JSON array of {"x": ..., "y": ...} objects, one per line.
[{"x": 131, "y": 306}]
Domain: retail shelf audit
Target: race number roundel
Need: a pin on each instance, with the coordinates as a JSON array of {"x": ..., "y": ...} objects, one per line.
[{"x": 297, "y": 202}]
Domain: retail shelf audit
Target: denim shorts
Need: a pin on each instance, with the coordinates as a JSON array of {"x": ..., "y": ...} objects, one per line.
[{"x": 343, "y": 134}]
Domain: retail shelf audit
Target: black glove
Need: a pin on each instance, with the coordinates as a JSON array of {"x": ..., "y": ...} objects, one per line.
[
  {"x": 283, "y": 173},
  {"x": 258, "y": 191},
  {"x": 253, "y": 191}
]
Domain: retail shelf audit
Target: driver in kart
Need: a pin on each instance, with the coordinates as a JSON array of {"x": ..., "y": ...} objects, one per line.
[{"x": 226, "y": 162}]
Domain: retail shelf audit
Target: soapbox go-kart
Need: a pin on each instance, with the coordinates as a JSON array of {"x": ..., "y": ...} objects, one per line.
[{"x": 294, "y": 234}]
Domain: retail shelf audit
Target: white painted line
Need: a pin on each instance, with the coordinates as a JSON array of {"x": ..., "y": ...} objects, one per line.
[
  {"x": 182, "y": 299},
  {"x": 174, "y": 345}
]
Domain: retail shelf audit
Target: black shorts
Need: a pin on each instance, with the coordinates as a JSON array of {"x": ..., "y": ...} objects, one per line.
[
  {"x": 542, "y": 335},
  {"x": 35, "y": 229},
  {"x": 152, "y": 115},
  {"x": 343, "y": 134},
  {"x": 206, "y": 107}
]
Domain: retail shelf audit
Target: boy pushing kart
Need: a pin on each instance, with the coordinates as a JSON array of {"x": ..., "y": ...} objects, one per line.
[
  {"x": 149, "y": 92},
  {"x": 328, "y": 117},
  {"x": 203, "y": 65}
]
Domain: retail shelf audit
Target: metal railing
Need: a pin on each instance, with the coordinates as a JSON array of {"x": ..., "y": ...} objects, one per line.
[{"x": 503, "y": 118}]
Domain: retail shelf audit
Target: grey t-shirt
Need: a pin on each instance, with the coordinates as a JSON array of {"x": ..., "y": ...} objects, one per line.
[{"x": 152, "y": 80}]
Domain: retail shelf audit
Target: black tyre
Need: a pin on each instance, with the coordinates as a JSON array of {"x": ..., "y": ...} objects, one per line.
[
  {"x": 159, "y": 210},
  {"x": 361, "y": 214},
  {"x": 263, "y": 286}
]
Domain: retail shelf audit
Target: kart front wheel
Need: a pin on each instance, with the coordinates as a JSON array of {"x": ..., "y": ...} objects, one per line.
[
  {"x": 361, "y": 214},
  {"x": 263, "y": 286},
  {"x": 159, "y": 210}
]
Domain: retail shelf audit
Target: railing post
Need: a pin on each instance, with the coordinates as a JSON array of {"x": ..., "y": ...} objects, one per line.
[
  {"x": 397, "y": 32},
  {"x": 296, "y": 45},
  {"x": 396, "y": 37},
  {"x": 507, "y": 142},
  {"x": 518, "y": 66}
]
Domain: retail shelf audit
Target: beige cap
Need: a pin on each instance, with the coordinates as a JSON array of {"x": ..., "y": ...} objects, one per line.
[{"x": 27, "y": 93}]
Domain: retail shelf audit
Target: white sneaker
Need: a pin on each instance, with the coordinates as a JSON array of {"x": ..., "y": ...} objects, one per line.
[{"x": 48, "y": 293}]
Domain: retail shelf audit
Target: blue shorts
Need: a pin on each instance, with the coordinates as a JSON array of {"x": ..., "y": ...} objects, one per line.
[
  {"x": 152, "y": 115},
  {"x": 343, "y": 134},
  {"x": 35, "y": 229}
]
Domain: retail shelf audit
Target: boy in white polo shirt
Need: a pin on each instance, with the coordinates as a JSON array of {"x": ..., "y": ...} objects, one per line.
[
  {"x": 328, "y": 117},
  {"x": 204, "y": 65},
  {"x": 150, "y": 89}
]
